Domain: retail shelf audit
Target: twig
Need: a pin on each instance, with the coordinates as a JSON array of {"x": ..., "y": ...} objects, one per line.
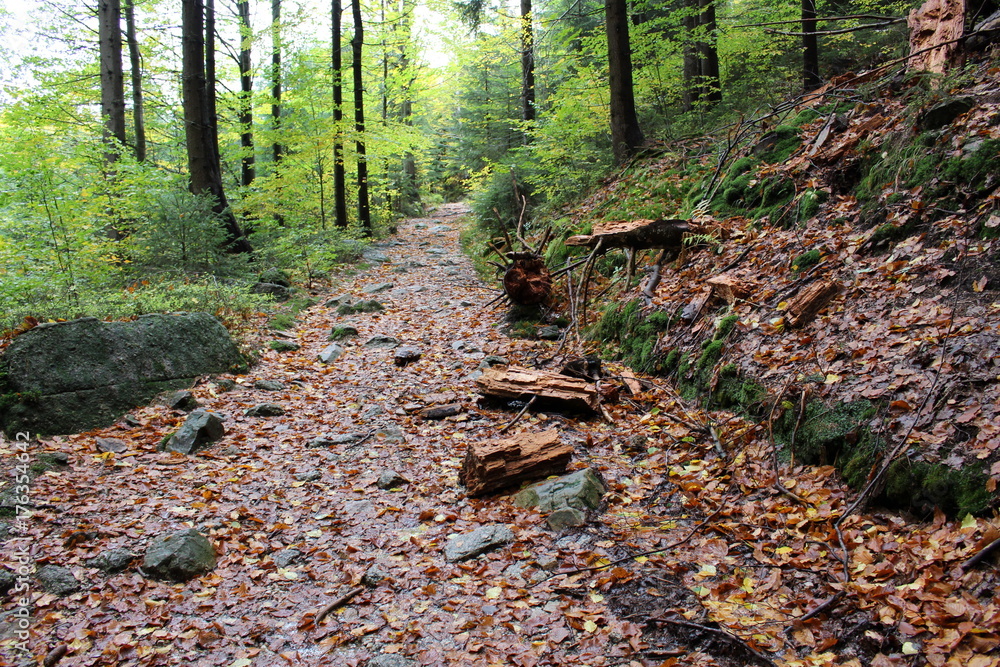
[
  {"x": 983, "y": 553},
  {"x": 728, "y": 636},
  {"x": 820, "y": 608},
  {"x": 742, "y": 255},
  {"x": 339, "y": 602},
  {"x": 873, "y": 17},
  {"x": 838, "y": 31},
  {"x": 585, "y": 284},
  {"x": 520, "y": 414}
]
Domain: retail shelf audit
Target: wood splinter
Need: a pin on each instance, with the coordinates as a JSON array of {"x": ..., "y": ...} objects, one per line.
[{"x": 339, "y": 602}]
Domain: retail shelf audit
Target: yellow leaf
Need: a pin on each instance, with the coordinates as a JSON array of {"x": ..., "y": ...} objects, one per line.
[
  {"x": 640, "y": 559},
  {"x": 596, "y": 597},
  {"x": 833, "y": 378},
  {"x": 969, "y": 521},
  {"x": 493, "y": 593},
  {"x": 781, "y": 551},
  {"x": 590, "y": 626},
  {"x": 909, "y": 648},
  {"x": 707, "y": 571},
  {"x": 747, "y": 584},
  {"x": 314, "y": 533},
  {"x": 782, "y": 305}
]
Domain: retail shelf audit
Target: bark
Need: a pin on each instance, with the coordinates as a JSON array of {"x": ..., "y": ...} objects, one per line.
[
  {"x": 810, "y": 47},
  {"x": 210, "y": 81},
  {"x": 203, "y": 165},
  {"x": 135, "y": 66},
  {"x": 112, "y": 77},
  {"x": 711, "y": 83},
  {"x": 635, "y": 234},
  {"x": 626, "y": 135},
  {"x": 410, "y": 189},
  {"x": 728, "y": 288},
  {"x": 527, "y": 64},
  {"x": 339, "y": 174},
  {"x": 364, "y": 212},
  {"x": 692, "y": 61},
  {"x": 526, "y": 457},
  {"x": 276, "y": 149},
  {"x": 248, "y": 171},
  {"x": 527, "y": 282},
  {"x": 936, "y": 22},
  {"x": 810, "y": 301},
  {"x": 559, "y": 391}
]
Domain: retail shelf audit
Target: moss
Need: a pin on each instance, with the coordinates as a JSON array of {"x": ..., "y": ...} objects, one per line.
[
  {"x": 726, "y": 326},
  {"x": 369, "y": 306},
  {"x": 786, "y": 141},
  {"x": 283, "y": 346},
  {"x": 826, "y": 434},
  {"x": 809, "y": 203},
  {"x": 804, "y": 117},
  {"x": 889, "y": 233},
  {"x": 281, "y": 322},
  {"x": 343, "y": 331},
  {"x": 974, "y": 170},
  {"x": 741, "y": 166},
  {"x": 670, "y": 361},
  {"x": 921, "y": 486},
  {"x": 735, "y": 392},
  {"x": 806, "y": 259}
]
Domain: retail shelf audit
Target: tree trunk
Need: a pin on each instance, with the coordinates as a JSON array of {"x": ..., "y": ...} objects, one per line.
[
  {"x": 626, "y": 135},
  {"x": 112, "y": 78},
  {"x": 210, "y": 80},
  {"x": 364, "y": 213},
  {"x": 810, "y": 47},
  {"x": 339, "y": 176},
  {"x": 527, "y": 65},
  {"x": 410, "y": 189},
  {"x": 276, "y": 148},
  {"x": 135, "y": 64},
  {"x": 248, "y": 169},
  {"x": 203, "y": 164},
  {"x": 710, "y": 82},
  {"x": 692, "y": 59}
]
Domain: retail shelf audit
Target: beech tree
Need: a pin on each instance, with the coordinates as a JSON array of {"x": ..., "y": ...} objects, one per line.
[
  {"x": 112, "y": 79},
  {"x": 626, "y": 135},
  {"x": 357, "y": 42},
  {"x": 135, "y": 67},
  {"x": 336, "y": 70},
  {"x": 248, "y": 169}
]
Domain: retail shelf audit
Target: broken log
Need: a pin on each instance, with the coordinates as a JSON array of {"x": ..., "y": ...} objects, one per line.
[
  {"x": 522, "y": 384},
  {"x": 501, "y": 464},
  {"x": 635, "y": 234},
  {"x": 441, "y": 411},
  {"x": 810, "y": 301},
  {"x": 728, "y": 288},
  {"x": 527, "y": 281}
]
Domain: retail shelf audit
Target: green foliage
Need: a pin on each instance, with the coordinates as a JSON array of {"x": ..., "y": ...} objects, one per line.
[
  {"x": 282, "y": 322},
  {"x": 806, "y": 259},
  {"x": 635, "y": 333}
]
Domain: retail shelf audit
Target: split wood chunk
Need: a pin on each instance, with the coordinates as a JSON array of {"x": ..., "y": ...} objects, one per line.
[
  {"x": 630, "y": 380},
  {"x": 635, "y": 234},
  {"x": 810, "y": 301},
  {"x": 728, "y": 288},
  {"x": 501, "y": 464},
  {"x": 441, "y": 411},
  {"x": 518, "y": 383},
  {"x": 527, "y": 281}
]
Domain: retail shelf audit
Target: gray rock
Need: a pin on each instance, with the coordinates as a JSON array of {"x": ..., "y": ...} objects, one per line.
[
  {"x": 369, "y": 306},
  {"x": 566, "y": 517},
  {"x": 382, "y": 342},
  {"x": 359, "y": 508},
  {"x": 466, "y": 346},
  {"x": 266, "y": 410},
  {"x": 182, "y": 400},
  {"x": 374, "y": 256},
  {"x": 57, "y": 580},
  {"x": 389, "y": 660},
  {"x": 466, "y": 304},
  {"x": 372, "y": 411},
  {"x": 268, "y": 385},
  {"x": 943, "y": 113},
  {"x": 338, "y": 301},
  {"x": 549, "y": 332},
  {"x": 373, "y": 576},
  {"x": 436, "y": 251},
  {"x": 406, "y": 355},
  {"x": 200, "y": 429},
  {"x": 277, "y": 292},
  {"x": 391, "y": 433},
  {"x": 310, "y": 476},
  {"x": 179, "y": 556},
  {"x": 86, "y": 373},
  {"x": 342, "y": 331},
  {"x": 439, "y": 229},
  {"x": 493, "y": 360},
  {"x": 478, "y": 542},
  {"x": 566, "y": 498},
  {"x": 389, "y": 479},
  {"x": 111, "y": 445},
  {"x": 286, "y": 557},
  {"x": 225, "y": 384},
  {"x": 420, "y": 225},
  {"x": 284, "y": 346},
  {"x": 7, "y": 581},
  {"x": 327, "y": 440},
  {"x": 330, "y": 353},
  {"x": 112, "y": 561},
  {"x": 375, "y": 289}
]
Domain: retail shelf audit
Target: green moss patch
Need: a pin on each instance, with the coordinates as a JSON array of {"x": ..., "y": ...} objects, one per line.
[{"x": 635, "y": 334}]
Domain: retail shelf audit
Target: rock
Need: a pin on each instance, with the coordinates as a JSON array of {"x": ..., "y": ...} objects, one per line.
[
  {"x": 637, "y": 444},
  {"x": 310, "y": 476},
  {"x": 330, "y": 353},
  {"x": 389, "y": 660},
  {"x": 436, "y": 251},
  {"x": 359, "y": 508},
  {"x": 112, "y": 561},
  {"x": 342, "y": 331},
  {"x": 57, "y": 580},
  {"x": 375, "y": 289},
  {"x": 268, "y": 385},
  {"x": 200, "y": 429},
  {"x": 277, "y": 292},
  {"x": 943, "y": 113},
  {"x": 372, "y": 411},
  {"x": 338, "y": 301},
  {"x": 478, "y": 542},
  {"x": 286, "y": 557},
  {"x": 182, "y": 400},
  {"x": 86, "y": 374},
  {"x": 466, "y": 304},
  {"x": 265, "y": 410},
  {"x": 7, "y": 581},
  {"x": 390, "y": 433},
  {"x": 373, "y": 576},
  {"x": 382, "y": 342},
  {"x": 493, "y": 360},
  {"x": 369, "y": 306},
  {"x": 440, "y": 229},
  {"x": 406, "y": 355},
  {"x": 566, "y": 498},
  {"x": 327, "y": 440},
  {"x": 374, "y": 256},
  {"x": 275, "y": 277},
  {"x": 111, "y": 445},
  {"x": 467, "y": 346},
  {"x": 225, "y": 384},
  {"x": 179, "y": 556},
  {"x": 284, "y": 346},
  {"x": 390, "y": 479},
  {"x": 549, "y": 332}
]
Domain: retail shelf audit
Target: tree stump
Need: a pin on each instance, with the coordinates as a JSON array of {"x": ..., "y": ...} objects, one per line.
[
  {"x": 501, "y": 464},
  {"x": 518, "y": 383},
  {"x": 527, "y": 281}
]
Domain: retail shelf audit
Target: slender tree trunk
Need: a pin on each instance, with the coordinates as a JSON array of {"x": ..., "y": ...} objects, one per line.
[
  {"x": 339, "y": 176},
  {"x": 364, "y": 211},
  {"x": 203, "y": 164},
  {"x": 112, "y": 78},
  {"x": 210, "y": 81},
  {"x": 276, "y": 148},
  {"x": 626, "y": 135},
  {"x": 248, "y": 169},
  {"x": 411, "y": 190},
  {"x": 692, "y": 58},
  {"x": 711, "y": 85},
  {"x": 527, "y": 64},
  {"x": 810, "y": 47},
  {"x": 135, "y": 66}
]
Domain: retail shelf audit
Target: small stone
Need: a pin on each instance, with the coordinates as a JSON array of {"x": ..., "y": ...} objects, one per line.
[
  {"x": 370, "y": 306},
  {"x": 478, "y": 542},
  {"x": 330, "y": 353},
  {"x": 327, "y": 440},
  {"x": 549, "y": 332},
  {"x": 375, "y": 289},
  {"x": 342, "y": 331},
  {"x": 493, "y": 360},
  {"x": 57, "y": 580},
  {"x": 182, "y": 400},
  {"x": 565, "y": 517},
  {"x": 406, "y": 355},
  {"x": 225, "y": 384},
  {"x": 200, "y": 429},
  {"x": 265, "y": 410},
  {"x": 338, "y": 301},
  {"x": 359, "y": 508},
  {"x": 381, "y": 341},
  {"x": 466, "y": 346},
  {"x": 389, "y": 660},
  {"x": 277, "y": 292},
  {"x": 637, "y": 444},
  {"x": 111, "y": 445},
  {"x": 310, "y": 476},
  {"x": 372, "y": 577},
  {"x": 284, "y": 346},
  {"x": 466, "y": 304},
  {"x": 547, "y": 562},
  {"x": 390, "y": 479},
  {"x": 179, "y": 556},
  {"x": 374, "y": 256},
  {"x": 286, "y": 557},
  {"x": 112, "y": 561},
  {"x": 268, "y": 385},
  {"x": 390, "y": 433},
  {"x": 439, "y": 229}
]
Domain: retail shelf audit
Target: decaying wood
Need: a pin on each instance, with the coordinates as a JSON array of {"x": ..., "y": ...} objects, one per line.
[
  {"x": 628, "y": 377},
  {"x": 519, "y": 383},
  {"x": 810, "y": 301},
  {"x": 500, "y": 464},
  {"x": 728, "y": 288},
  {"x": 635, "y": 234},
  {"x": 527, "y": 281},
  {"x": 441, "y": 411}
]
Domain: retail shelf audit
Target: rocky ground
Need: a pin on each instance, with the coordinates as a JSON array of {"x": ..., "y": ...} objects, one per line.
[{"x": 343, "y": 537}]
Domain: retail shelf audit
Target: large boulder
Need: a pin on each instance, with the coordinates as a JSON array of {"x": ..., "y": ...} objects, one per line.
[{"x": 73, "y": 376}]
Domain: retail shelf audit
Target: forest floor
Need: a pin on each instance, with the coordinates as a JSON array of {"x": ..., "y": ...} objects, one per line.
[{"x": 693, "y": 558}]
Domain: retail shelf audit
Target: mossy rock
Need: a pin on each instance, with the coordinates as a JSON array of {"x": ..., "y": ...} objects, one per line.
[
  {"x": 369, "y": 306},
  {"x": 922, "y": 486},
  {"x": 342, "y": 331},
  {"x": 281, "y": 322},
  {"x": 735, "y": 392},
  {"x": 275, "y": 276},
  {"x": 826, "y": 433},
  {"x": 284, "y": 346},
  {"x": 809, "y": 203},
  {"x": 806, "y": 259},
  {"x": 778, "y": 145}
]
